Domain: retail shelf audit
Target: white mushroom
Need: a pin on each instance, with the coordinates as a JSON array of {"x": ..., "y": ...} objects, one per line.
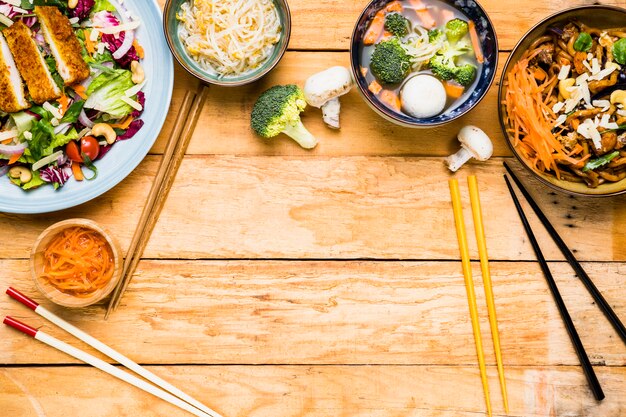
[
  {"x": 423, "y": 96},
  {"x": 474, "y": 144},
  {"x": 322, "y": 90}
]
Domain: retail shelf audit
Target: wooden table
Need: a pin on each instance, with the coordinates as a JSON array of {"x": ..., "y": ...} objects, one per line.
[{"x": 286, "y": 282}]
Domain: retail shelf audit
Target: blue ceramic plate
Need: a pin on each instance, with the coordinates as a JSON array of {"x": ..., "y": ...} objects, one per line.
[{"x": 125, "y": 155}]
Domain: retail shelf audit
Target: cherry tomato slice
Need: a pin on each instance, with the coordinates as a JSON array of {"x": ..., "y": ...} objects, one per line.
[
  {"x": 72, "y": 151},
  {"x": 90, "y": 147}
]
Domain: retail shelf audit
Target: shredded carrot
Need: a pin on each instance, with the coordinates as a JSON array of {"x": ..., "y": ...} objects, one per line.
[
  {"x": 89, "y": 45},
  {"x": 374, "y": 87},
  {"x": 124, "y": 124},
  {"x": 78, "y": 261},
  {"x": 476, "y": 42},
  {"x": 391, "y": 99},
  {"x": 139, "y": 49},
  {"x": 453, "y": 90},
  {"x": 78, "y": 173},
  {"x": 539, "y": 74},
  {"x": 81, "y": 91},
  {"x": 64, "y": 103},
  {"x": 423, "y": 14},
  {"x": 7, "y": 141},
  {"x": 15, "y": 157}
]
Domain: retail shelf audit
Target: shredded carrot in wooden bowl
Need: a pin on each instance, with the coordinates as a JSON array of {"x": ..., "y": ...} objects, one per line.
[{"x": 78, "y": 261}]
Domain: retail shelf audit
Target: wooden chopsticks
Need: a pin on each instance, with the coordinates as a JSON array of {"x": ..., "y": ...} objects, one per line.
[
  {"x": 571, "y": 259},
  {"x": 477, "y": 214},
  {"x": 168, "y": 392},
  {"x": 469, "y": 284},
  {"x": 183, "y": 129},
  {"x": 592, "y": 379}
]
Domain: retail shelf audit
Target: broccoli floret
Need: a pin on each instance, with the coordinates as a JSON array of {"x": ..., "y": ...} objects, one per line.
[
  {"x": 434, "y": 35},
  {"x": 442, "y": 67},
  {"x": 390, "y": 62},
  {"x": 465, "y": 74},
  {"x": 397, "y": 24},
  {"x": 456, "y": 29},
  {"x": 277, "y": 110}
]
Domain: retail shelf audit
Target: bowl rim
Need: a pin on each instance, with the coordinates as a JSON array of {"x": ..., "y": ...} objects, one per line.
[
  {"x": 78, "y": 222},
  {"x": 505, "y": 70},
  {"x": 390, "y": 117},
  {"x": 286, "y": 34}
]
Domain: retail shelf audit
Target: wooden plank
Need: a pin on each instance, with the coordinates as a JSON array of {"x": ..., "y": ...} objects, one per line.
[
  {"x": 330, "y": 312},
  {"x": 349, "y": 207},
  {"x": 260, "y": 391},
  {"x": 224, "y": 125},
  {"x": 328, "y": 24}
]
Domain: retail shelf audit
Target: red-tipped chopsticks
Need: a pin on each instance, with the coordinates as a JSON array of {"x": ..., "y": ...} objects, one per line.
[{"x": 169, "y": 392}]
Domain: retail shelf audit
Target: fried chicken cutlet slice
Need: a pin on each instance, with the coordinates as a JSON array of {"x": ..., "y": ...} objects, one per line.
[
  {"x": 31, "y": 64},
  {"x": 12, "y": 97},
  {"x": 58, "y": 33}
]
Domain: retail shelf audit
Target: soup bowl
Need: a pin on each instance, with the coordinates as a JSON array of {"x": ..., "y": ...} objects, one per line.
[
  {"x": 171, "y": 26},
  {"x": 476, "y": 92},
  {"x": 598, "y": 16}
]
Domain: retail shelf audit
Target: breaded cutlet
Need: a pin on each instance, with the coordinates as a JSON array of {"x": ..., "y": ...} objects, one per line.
[
  {"x": 12, "y": 97},
  {"x": 31, "y": 64},
  {"x": 58, "y": 33}
]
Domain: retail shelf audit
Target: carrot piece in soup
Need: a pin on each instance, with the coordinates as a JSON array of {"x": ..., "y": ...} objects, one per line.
[
  {"x": 476, "y": 42},
  {"x": 376, "y": 28},
  {"x": 391, "y": 99},
  {"x": 453, "y": 90},
  {"x": 423, "y": 14},
  {"x": 394, "y": 6},
  {"x": 374, "y": 87}
]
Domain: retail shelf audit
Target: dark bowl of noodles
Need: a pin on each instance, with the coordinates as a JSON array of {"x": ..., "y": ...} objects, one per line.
[
  {"x": 405, "y": 101},
  {"x": 576, "y": 141}
]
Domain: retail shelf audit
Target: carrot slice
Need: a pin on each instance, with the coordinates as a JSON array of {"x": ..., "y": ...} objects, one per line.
[
  {"x": 64, "y": 103},
  {"x": 476, "y": 42},
  {"x": 423, "y": 14},
  {"x": 375, "y": 29},
  {"x": 394, "y": 6},
  {"x": 7, "y": 141},
  {"x": 453, "y": 90},
  {"x": 124, "y": 124},
  {"x": 391, "y": 99},
  {"x": 15, "y": 157},
  {"x": 89, "y": 45},
  {"x": 374, "y": 87},
  {"x": 78, "y": 173}
]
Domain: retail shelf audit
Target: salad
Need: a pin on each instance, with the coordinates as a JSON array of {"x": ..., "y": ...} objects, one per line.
[{"x": 49, "y": 142}]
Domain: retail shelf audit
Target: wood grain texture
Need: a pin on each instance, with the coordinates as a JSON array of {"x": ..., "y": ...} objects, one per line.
[
  {"x": 224, "y": 126},
  {"x": 330, "y": 313},
  {"x": 328, "y": 24},
  {"x": 308, "y": 391},
  {"x": 349, "y": 207}
]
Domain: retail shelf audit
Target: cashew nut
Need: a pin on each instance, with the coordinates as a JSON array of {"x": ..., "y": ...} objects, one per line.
[
  {"x": 72, "y": 4},
  {"x": 137, "y": 71},
  {"x": 22, "y": 173},
  {"x": 103, "y": 129},
  {"x": 564, "y": 86},
  {"x": 618, "y": 97}
]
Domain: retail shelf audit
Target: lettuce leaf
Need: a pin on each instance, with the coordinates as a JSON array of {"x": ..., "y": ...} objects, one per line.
[
  {"x": 107, "y": 89},
  {"x": 102, "y": 5},
  {"x": 35, "y": 182},
  {"x": 60, "y": 140}
]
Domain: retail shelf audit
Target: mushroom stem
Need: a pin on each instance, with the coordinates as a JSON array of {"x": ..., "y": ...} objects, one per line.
[
  {"x": 457, "y": 160},
  {"x": 330, "y": 112}
]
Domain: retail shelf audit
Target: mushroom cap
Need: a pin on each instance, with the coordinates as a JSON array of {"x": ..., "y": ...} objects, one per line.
[
  {"x": 326, "y": 85},
  {"x": 476, "y": 142},
  {"x": 423, "y": 96}
]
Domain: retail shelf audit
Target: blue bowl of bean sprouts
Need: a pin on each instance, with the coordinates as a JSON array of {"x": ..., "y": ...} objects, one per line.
[{"x": 227, "y": 42}]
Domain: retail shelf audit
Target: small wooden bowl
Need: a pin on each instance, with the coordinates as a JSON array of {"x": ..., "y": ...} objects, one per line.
[{"x": 52, "y": 293}]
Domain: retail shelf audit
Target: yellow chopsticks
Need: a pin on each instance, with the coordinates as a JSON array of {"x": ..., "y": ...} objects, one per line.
[
  {"x": 469, "y": 284},
  {"x": 484, "y": 267}
]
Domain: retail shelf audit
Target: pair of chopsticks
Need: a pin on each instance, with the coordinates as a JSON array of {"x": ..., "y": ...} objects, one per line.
[
  {"x": 183, "y": 129},
  {"x": 594, "y": 384},
  {"x": 166, "y": 392},
  {"x": 469, "y": 283}
]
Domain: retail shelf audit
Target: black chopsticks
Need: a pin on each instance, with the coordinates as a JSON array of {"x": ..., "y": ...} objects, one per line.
[
  {"x": 571, "y": 259},
  {"x": 594, "y": 384}
]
